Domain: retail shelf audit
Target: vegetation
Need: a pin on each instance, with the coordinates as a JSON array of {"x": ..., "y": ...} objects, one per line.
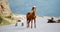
[
  {"x": 1, "y": 19},
  {"x": 6, "y": 20},
  {"x": 10, "y": 17}
]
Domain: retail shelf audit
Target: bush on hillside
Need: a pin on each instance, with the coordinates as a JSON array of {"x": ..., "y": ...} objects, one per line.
[{"x": 1, "y": 19}]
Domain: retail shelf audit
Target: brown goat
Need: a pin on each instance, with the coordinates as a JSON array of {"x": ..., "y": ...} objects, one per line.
[
  {"x": 58, "y": 20},
  {"x": 31, "y": 16},
  {"x": 51, "y": 20}
]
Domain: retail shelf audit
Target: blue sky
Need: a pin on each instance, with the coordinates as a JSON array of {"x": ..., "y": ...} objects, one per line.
[{"x": 44, "y": 7}]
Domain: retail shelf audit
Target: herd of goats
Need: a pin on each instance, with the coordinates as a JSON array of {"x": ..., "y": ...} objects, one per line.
[{"x": 30, "y": 16}]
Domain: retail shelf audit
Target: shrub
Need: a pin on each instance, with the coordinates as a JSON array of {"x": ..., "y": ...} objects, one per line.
[{"x": 1, "y": 19}]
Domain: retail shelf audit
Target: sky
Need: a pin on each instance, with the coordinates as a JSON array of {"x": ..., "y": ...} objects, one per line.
[{"x": 44, "y": 7}]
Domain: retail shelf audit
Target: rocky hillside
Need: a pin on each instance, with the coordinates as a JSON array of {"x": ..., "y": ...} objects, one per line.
[
  {"x": 4, "y": 8},
  {"x": 5, "y": 13}
]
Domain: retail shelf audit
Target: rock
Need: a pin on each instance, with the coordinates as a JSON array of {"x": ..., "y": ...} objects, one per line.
[{"x": 4, "y": 8}]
